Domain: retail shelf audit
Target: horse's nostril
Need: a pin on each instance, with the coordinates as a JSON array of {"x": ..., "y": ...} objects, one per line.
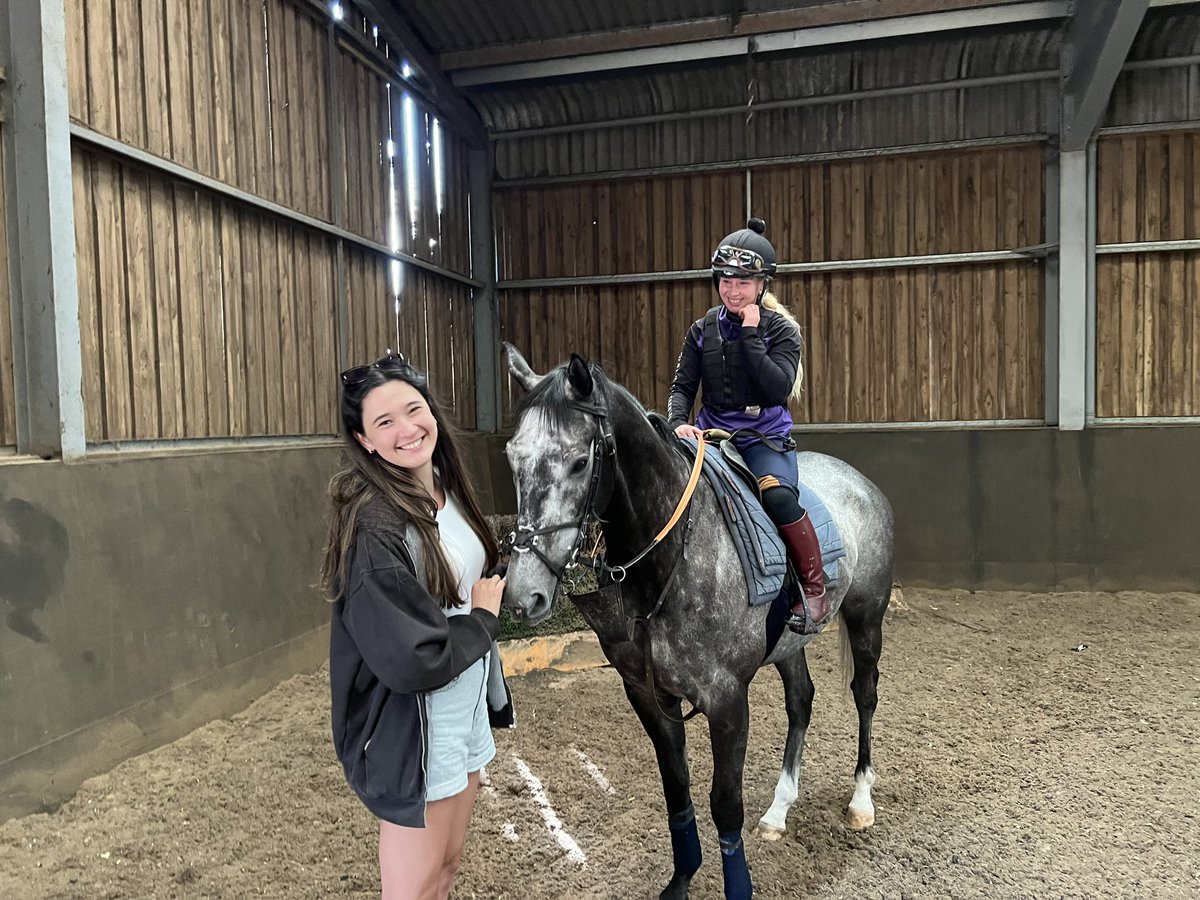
[{"x": 540, "y": 607}]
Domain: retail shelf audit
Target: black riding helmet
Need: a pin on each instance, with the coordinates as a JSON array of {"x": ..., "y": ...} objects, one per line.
[{"x": 744, "y": 254}]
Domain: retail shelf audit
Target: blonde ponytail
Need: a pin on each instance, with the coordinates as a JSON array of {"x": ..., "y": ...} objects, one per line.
[{"x": 770, "y": 301}]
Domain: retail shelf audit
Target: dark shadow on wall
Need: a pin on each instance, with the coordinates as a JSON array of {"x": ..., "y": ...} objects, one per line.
[{"x": 33, "y": 554}]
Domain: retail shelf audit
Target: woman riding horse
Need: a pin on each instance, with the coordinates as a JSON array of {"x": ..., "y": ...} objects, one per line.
[{"x": 746, "y": 354}]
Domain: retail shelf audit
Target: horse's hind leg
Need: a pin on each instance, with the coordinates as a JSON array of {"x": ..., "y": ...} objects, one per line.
[
  {"x": 671, "y": 749},
  {"x": 798, "y": 692},
  {"x": 865, "y": 635}
]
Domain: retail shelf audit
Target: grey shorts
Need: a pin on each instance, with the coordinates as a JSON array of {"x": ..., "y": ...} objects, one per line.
[{"x": 460, "y": 736}]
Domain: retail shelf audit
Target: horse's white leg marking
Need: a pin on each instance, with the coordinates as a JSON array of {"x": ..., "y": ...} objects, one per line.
[
  {"x": 594, "y": 771},
  {"x": 549, "y": 816},
  {"x": 773, "y": 825},
  {"x": 861, "y": 813}
]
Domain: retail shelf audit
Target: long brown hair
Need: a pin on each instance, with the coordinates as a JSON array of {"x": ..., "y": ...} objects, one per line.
[{"x": 367, "y": 476}]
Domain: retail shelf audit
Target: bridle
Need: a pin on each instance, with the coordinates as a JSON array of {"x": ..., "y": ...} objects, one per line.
[{"x": 603, "y": 448}]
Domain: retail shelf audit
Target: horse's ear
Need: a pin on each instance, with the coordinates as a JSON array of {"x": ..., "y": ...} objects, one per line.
[
  {"x": 579, "y": 377},
  {"x": 519, "y": 368}
]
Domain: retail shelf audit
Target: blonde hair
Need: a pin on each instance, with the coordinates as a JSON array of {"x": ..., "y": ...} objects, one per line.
[{"x": 770, "y": 301}]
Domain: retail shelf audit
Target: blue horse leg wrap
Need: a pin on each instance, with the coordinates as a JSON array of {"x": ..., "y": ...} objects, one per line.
[
  {"x": 685, "y": 842},
  {"x": 733, "y": 864}
]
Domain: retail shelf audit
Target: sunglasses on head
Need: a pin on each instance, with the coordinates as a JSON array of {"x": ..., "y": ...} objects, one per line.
[
  {"x": 739, "y": 258},
  {"x": 392, "y": 362}
]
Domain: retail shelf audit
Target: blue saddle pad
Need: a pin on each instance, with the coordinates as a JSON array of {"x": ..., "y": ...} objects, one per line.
[{"x": 759, "y": 547}]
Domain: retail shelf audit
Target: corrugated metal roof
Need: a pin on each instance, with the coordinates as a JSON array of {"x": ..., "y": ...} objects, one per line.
[
  {"x": 709, "y": 85},
  {"x": 451, "y": 25}
]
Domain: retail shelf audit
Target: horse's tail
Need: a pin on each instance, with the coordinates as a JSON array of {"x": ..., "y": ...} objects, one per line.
[{"x": 847, "y": 654}]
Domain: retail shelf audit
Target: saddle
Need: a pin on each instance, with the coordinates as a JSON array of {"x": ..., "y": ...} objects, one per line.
[{"x": 760, "y": 549}]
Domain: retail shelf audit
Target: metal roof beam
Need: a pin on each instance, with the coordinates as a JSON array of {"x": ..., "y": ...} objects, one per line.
[
  {"x": 450, "y": 102},
  {"x": 1095, "y": 45},
  {"x": 738, "y": 23},
  {"x": 823, "y": 35}
]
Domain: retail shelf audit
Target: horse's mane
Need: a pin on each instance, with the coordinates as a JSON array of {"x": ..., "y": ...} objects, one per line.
[
  {"x": 662, "y": 428},
  {"x": 549, "y": 396}
]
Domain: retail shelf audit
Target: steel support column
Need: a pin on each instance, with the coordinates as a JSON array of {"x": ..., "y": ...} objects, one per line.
[
  {"x": 41, "y": 223},
  {"x": 1095, "y": 46},
  {"x": 485, "y": 309},
  {"x": 1076, "y": 275}
]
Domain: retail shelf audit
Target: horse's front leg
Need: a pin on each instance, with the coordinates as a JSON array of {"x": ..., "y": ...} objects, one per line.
[
  {"x": 670, "y": 746},
  {"x": 728, "y": 726}
]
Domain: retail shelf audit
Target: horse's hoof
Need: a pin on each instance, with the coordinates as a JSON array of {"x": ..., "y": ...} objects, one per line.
[
  {"x": 770, "y": 832},
  {"x": 859, "y": 819}
]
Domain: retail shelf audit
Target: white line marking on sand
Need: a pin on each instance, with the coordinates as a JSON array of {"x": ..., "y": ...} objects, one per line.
[
  {"x": 509, "y": 832},
  {"x": 549, "y": 816},
  {"x": 594, "y": 771}
]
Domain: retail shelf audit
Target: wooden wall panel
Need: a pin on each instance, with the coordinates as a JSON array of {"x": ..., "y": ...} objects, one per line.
[
  {"x": 199, "y": 318},
  {"x": 951, "y": 343},
  {"x": 231, "y": 89},
  {"x": 1148, "y": 304}
]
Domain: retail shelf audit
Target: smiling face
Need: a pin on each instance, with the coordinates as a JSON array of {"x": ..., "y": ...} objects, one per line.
[
  {"x": 737, "y": 293},
  {"x": 399, "y": 425}
]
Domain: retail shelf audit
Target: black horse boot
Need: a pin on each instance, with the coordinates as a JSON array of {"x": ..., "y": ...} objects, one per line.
[{"x": 804, "y": 550}]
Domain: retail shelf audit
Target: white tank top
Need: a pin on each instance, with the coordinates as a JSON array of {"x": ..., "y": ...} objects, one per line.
[{"x": 464, "y": 551}]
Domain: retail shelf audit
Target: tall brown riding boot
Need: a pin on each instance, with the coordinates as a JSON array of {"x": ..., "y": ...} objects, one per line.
[{"x": 804, "y": 550}]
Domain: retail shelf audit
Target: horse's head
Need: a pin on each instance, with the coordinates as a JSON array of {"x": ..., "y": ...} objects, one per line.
[{"x": 557, "y": 455}]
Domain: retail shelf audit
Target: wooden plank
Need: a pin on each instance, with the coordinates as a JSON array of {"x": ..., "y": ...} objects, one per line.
[
  {"x": 77, "y": 60},
  {"x": 143, "y": 348},
  {"x": 202, "y": 91},
  {"x": 1152, "y": 199},
  {"x": 324, "y": 368},
  {"x": 101, "y": 72},
  {"x": 191, "y": 313},
  {"x": 256, "y": 83},
  {"x": 310, "y": 42},
  {"x": 288, "y": 333},
  {"x": 233, "y": 306},
  {"x": 351, "y": 142},
  {"x": 114, "y": 330},
  {"x": 253, "y": 328},
  {"x": 224, "y": 85},
  {"x": 323, "y": 61},
  {"x": 163, "y": 248},
  {"x": 177, "y": 26},
  {"x": 216, "y": 336},
  {"x": 268, "y": 265},
  {"x": 306, "y": 303},
  {"x": 154, "y": 72},
  {"x": 279, "y": 15},
  {"x": 1177, "y": 319},
  {"x": 242, "y": 100}
]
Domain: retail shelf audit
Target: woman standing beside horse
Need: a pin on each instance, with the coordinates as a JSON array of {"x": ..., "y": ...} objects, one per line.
[
  {"x": 413, "y": 624},
  {"x": 745, "y": 354}
]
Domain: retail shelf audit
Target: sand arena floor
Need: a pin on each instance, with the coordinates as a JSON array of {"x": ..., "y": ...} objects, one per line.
[{"x": 1026, "y": 746}]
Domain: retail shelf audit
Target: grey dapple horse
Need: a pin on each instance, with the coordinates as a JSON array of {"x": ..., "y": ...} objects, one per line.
[{"x": 675, "y": 622}]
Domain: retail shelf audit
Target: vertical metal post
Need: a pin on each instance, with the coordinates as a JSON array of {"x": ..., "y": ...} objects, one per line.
[
  {"x": 337, "y": 186},
  {"x": 1090, "y": 345},
  {"x": 41, "y": 222},
  {"x": 1074, "y": 212},
  {"x": 1051, "y": 282},
  {"x": 485, "y": 308}
]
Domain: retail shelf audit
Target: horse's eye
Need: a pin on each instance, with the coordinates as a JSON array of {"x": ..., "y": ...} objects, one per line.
[{"x": 579, "y": 465}]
